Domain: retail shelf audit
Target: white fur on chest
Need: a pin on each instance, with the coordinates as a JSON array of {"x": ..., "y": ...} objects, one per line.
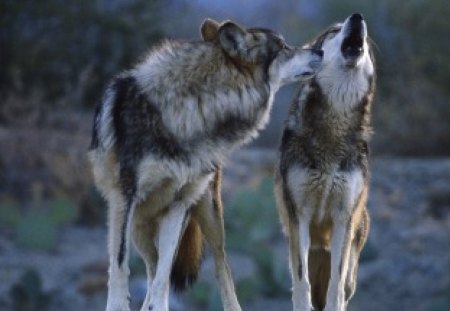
[
  {"x": 318, "y": 194},
  {"x": 343, "y": 88}
]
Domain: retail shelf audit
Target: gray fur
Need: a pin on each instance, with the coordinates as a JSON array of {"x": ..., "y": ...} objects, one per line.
[
  {"x": 322, "y": 173},
  {"x": 163, "y": 128}
]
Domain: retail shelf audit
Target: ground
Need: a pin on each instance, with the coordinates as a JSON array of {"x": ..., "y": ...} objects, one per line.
[{"x": 405, "y": 266}]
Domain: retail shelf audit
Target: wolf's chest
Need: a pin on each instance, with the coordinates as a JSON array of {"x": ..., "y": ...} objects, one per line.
[
  {"x": 324, "y": 192},
  {"x": 319, "y": 184}
]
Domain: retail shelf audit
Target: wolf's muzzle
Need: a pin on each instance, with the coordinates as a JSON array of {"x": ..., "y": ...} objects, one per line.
[{"x": 354, "y": 35}]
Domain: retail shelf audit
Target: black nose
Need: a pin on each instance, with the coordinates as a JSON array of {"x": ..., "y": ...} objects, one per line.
[
  {"x": 317, "y": 52},
  {"x": 357, "y": 17}
]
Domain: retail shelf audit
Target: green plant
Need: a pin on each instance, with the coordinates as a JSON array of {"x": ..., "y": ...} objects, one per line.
[
  {"x": 206, "y": 296},
  {"x": 273, "y": 276},
  {"x": 27, "y": 294},
  {"x": 252, "y": 212},
  {"x": 246, "y": 289},
  {"x": 38, "y": 226},
  {"x": 36, "y": 230},
  {"x": 441, "y": 303},
  {"x": 62, "y": 211},
  {"x": 9, "y": 213}
]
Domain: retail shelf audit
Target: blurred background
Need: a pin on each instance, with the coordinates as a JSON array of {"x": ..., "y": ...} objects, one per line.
[{"x": 57, "y": 56}]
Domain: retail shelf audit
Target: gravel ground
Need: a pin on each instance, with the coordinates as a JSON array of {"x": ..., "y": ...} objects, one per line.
[{"x": 409, "y": 246}]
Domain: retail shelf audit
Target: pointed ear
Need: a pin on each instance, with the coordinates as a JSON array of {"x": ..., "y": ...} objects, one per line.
[
  {"x": 232, "y": 38},
  {"x": 209, "y": 30}
]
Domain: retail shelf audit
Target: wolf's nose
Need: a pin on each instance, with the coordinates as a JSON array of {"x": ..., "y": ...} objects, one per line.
[
  {"x": 317, "y": 52},
  {"x": 357, "y": 17}
]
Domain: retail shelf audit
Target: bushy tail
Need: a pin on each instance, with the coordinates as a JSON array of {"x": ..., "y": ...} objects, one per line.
[
  {"x": 319, "y": 274},
  {"x": 187, "y": 263}
]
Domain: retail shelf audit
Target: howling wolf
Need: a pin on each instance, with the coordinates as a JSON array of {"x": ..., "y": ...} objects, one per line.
[
  {"x": 322, "y": 175},
  {"x": 159, "y": 134}
]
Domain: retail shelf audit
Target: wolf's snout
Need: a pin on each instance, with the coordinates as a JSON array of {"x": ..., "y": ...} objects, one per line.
[
  {"x": 357, "y": 17},
  {"x": 355, "y": 32},
  {"x": 354, "y": 26}
]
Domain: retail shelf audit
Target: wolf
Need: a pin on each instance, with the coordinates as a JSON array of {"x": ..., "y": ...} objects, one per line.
[
  {"x": 160, "y": 135},
  {"x": 322, "y": 170}
]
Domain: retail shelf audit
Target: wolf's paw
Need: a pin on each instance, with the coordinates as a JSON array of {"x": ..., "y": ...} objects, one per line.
[
  {"x": 117, "y": 306},
  {"x": 334, "y": 308},
  {"x": 302, "y": 306},
  {"x": 234, "y": 307}
]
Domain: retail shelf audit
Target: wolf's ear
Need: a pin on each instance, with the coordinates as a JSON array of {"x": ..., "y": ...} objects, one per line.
[
  {"x": 232, "y": 38},
  {"x": 209, "y": 30}
]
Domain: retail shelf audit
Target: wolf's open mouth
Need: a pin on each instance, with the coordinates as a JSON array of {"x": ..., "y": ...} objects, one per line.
[{"x": 353, "y": 44}]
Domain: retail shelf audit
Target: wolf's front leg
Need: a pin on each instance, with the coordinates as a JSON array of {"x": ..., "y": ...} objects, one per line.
[
  {"x": 299, "y": 242},
  {"x": 342, "y": 235},
  {"x": 340, "y": 252},
  {"x": 118, "y": 244}
]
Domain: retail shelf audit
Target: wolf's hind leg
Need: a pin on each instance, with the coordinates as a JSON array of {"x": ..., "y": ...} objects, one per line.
[
  {"x": 118, "y": 244},
  {"x": 171, "y": 229},
  {"x": 210, "y": 217},
  {"x": 144, "y": 234}
]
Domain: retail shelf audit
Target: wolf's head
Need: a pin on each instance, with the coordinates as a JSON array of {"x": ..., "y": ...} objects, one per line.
[
  {"x": 347, "y": 72},
  {"x": 346, "y": 44},
  {"x": 264, "y": 49}
]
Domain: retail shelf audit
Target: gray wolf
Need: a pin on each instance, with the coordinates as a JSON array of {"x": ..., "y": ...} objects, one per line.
[
  {"x": 161, "y": 131},
  {"x": 322, "y": 172}
]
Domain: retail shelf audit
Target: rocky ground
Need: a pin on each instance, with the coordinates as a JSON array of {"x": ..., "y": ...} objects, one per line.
[{"x": 406, "y": 264}]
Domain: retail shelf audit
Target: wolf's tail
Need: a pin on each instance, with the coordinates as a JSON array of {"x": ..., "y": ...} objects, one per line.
[
  {"x": 319, "y": 274},
  {"x": 187, "y": 263}
]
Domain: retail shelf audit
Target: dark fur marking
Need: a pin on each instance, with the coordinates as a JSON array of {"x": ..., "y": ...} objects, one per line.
[
  {"x": 123, "y": 235},
  {"x": 95, "y": 127},
  {"x": 300, "y": 269},
  {"x": 284, "y": 168},
  {"x": 232, "y": 128},
  {"x": 138, "y": 125},
  {"x": 289, "y": 202}
]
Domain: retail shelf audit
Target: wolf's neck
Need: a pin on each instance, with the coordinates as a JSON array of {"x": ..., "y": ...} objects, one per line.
[{"x": 343, "y": 88}]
